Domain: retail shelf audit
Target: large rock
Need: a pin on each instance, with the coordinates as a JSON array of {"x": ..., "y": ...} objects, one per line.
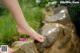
[{"x": 59, "y": 32}]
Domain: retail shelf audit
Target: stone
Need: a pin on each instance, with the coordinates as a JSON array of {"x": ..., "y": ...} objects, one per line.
[
  {"x": 24, "y": 47},
  {"x": 60, "y": 33}
]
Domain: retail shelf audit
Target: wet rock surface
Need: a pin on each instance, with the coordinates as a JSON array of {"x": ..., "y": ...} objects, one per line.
[{"x": 59, "y": 32}]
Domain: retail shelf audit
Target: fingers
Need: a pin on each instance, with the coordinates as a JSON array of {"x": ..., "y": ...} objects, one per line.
[{"x": 39, "y": 38}]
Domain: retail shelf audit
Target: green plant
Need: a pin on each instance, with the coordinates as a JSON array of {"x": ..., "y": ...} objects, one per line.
[{"x": 8, "y": 30}]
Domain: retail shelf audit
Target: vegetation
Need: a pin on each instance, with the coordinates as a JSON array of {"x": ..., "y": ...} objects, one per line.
[
  {"x": 32, "y": 10},
  {"x": 32, "y": 14}
]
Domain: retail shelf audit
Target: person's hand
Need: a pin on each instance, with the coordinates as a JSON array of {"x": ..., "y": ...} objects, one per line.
[{"x": 35, "y": 36}]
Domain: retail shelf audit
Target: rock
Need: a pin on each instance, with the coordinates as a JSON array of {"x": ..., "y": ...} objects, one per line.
[
  {"x": 24, "y": 47},
  {"x": 59, "y": 32},
  {"x": 51, "y": 32}
]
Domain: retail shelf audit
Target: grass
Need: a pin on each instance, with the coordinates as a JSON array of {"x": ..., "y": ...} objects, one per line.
[{"x": 8, "y": 30}]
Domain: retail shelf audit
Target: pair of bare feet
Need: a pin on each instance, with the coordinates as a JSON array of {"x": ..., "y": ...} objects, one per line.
[{"x": 36, "y": 36}]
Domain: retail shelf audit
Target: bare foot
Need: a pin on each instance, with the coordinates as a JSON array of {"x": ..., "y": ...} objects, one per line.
[{"x": 35, "y": 36}]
